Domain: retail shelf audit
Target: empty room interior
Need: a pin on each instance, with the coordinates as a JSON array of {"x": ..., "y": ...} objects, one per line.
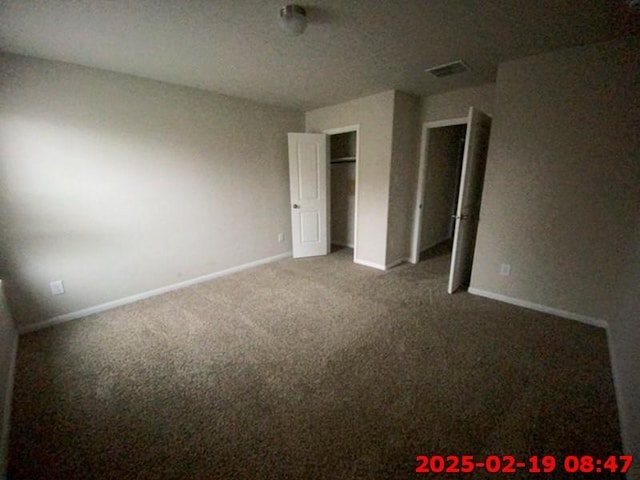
[{"x": 373, "y": 239}]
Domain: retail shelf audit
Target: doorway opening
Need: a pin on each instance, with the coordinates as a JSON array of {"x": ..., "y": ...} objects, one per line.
[
  {"x": 445, "y": 151},
  {"x": 343, "y": 186},
  {"x": 450, "y": 179}
]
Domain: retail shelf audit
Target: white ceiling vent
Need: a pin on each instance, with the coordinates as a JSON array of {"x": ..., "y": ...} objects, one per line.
[{"x": 447, "y": 69}]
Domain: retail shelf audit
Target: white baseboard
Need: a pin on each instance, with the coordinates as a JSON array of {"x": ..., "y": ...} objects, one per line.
[
  {"x": 6, "y": 417},
  {"x": 396, "y": 263},
  {"x": 366, "y": 263},
  {"x": 141, "y": 296},
  {"x": 379, "y": 266},
  {"x": 596, "y": 322}
]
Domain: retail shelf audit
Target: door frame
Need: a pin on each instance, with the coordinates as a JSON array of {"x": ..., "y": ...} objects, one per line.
[
  {"x": 334, "y": 131},
  {"x": 422, "y": 179}
]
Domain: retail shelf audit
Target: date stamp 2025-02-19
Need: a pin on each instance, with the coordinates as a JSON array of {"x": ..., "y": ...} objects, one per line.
[{"x": 534, "y": 464}]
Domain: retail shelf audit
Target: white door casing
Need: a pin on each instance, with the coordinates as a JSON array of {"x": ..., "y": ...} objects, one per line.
[
  {"x": 308, "y": 172},
  {"x": 469, "y": 198}
]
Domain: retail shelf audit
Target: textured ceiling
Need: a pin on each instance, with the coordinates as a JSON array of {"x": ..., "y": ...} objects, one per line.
[{"x": 350, "y": 49}]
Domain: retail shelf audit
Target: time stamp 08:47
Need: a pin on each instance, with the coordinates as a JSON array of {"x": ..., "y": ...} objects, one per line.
[{"x": 533, "y": 464}]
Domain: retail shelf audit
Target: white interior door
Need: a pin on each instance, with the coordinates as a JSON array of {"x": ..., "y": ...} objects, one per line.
[
  {"x": 308, "y": 171},
  {"x": 469, "y": 198}
]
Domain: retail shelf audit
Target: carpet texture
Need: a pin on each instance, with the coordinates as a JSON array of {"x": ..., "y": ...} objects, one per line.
[{"x": 308, "y": 369}]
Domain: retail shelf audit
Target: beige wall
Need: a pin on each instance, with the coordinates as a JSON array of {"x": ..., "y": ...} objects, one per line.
[
  {"x": 8, "y": 348},
  {"x": 118, "y": 185},
  {"x": 562, "y": 197},
  {"x": 442, "y": 175},
  {"x": 374, "y": 115},
  {"x": 456, "y": 104},
  {"x": 403, "y": 176}
]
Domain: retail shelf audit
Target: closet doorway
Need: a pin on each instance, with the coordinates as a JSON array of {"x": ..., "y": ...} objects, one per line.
[
  {"x": 453, "y": 156},
  {"x": 343, "y": 186},
  {"x": 444, "y": 152}
]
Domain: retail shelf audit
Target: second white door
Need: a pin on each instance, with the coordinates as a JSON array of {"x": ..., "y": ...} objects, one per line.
[
  {"x": 308, "y": 172},
  {"x": 469, "y": 198}
]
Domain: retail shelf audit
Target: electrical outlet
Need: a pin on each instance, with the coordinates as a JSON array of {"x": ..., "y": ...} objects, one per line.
[
  {"x": 280, "y": 237},
  {"x": 57, "y": 287},
  {"x": 505, "y": 269}
]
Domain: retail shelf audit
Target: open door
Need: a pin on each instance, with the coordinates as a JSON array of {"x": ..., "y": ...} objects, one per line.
[
  {"x": 308, "y": 167},
  {"x": 469, "y": 198}
]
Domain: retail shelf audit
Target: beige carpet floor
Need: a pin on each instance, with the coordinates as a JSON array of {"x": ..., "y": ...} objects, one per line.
[{"x": 308, "y": 369}]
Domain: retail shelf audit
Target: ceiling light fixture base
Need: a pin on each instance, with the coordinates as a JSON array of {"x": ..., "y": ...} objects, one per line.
[{"x": 293, "y": 20}]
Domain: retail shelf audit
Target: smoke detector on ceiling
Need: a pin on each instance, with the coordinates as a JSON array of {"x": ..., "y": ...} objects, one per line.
[{"x": 447, "y": 69}]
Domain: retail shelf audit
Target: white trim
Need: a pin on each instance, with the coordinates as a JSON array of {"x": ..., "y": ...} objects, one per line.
[
  {"x": 366, "y": 263},
  {"x": 595, "y": 322},
  {"x": 447, "y": 123},
  {"x": 396, "y": 263},
  {"x": 151, "y": 293},
  {"x": 414, "y": 256},
  {"x": 6, "y": 417},
  {"x": 347, "y": 129},
  {"x": 334, "y": 131},
  {"x": 416, "y": 234}
]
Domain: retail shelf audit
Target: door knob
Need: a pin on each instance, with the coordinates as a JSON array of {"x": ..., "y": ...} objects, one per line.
[{"x": 295, "y": 205}]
